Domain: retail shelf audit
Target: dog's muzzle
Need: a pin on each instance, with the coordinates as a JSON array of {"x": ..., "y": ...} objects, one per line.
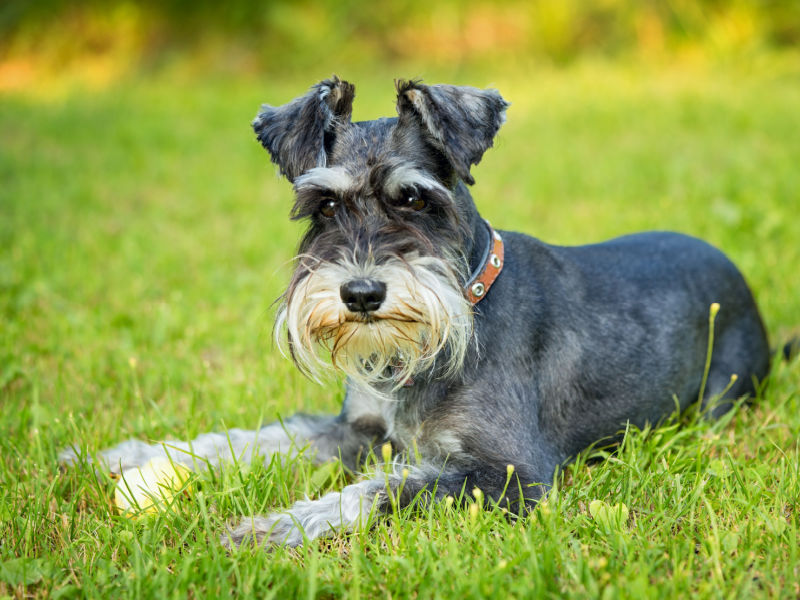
[{"x": 379, "y": 324}]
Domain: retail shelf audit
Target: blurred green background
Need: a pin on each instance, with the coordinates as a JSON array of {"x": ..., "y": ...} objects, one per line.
[{"x": 98, "y": 41}]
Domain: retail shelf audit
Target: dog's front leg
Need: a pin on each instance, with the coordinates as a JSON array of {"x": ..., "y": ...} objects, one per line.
[
  {"x": 337, "y": 511},
  {"x": 324, "y": 435},
  {"x": 351, "y": 508}
]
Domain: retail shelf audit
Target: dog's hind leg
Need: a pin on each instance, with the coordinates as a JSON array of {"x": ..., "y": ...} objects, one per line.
[
  {"x": 351, "y": 508},
  {"x": 325, "y": 437},
  {"x": 740, "y": 361}
]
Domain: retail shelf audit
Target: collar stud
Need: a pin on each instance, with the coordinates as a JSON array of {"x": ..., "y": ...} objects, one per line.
[{"x": 484, "y": 276}]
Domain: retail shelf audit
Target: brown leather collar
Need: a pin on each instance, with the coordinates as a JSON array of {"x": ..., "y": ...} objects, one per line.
[{"x": 478, "y": 285}]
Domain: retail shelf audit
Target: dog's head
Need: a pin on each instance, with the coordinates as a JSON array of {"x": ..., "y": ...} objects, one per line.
[{"x": 380, "y": 271}]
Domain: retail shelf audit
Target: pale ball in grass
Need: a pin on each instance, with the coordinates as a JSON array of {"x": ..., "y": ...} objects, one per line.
[{"x": 151, "y": 487}]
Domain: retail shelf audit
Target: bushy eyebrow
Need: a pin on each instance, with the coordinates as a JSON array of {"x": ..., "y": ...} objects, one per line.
[
  {"x": 335, "y": 179},
  {"x": 403, "y": 177}
]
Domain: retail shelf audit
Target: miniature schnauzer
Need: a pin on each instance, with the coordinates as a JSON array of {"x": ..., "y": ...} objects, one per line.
[{"x": 471, "y": 348}]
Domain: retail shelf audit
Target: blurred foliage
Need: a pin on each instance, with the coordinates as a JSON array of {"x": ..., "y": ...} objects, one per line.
[{"x": 281, "y": 35}]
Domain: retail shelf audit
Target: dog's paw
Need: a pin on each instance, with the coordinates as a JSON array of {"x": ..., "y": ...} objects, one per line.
[{"x": 277, "y": 529}]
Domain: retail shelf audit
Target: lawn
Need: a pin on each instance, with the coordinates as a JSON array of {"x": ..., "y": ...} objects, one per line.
[{"x": 144, "y": 236}]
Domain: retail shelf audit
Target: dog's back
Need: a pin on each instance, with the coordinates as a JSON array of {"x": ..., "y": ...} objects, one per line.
[{"x": 628, "y": 322}]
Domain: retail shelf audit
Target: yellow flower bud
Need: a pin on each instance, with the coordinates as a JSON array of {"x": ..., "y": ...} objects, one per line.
[
  {"x": 473, "y": 512},
  {"x": 386, "y": 452}
]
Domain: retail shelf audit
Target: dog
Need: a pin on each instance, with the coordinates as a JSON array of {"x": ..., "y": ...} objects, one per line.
[{"x": 483, "y": 353}]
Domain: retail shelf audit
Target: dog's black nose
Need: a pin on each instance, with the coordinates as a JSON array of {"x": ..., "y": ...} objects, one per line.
[{"x": 363, "y": 295}]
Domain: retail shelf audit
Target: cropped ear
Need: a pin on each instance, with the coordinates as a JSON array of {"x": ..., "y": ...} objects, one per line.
[
  {"x": 298, "y": 135},
  {"x": 461, "y": 121}
]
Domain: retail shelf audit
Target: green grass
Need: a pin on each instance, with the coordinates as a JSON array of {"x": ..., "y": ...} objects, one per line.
[{"x": 143, "y": 237}]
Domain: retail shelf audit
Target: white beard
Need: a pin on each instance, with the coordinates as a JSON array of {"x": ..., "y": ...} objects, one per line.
[{"x": 424, "y": 313}]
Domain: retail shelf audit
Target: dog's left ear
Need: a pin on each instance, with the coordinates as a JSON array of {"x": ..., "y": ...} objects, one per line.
[
  {"x": 461, "y": 121},
  {"x": 299, "y": 135}
]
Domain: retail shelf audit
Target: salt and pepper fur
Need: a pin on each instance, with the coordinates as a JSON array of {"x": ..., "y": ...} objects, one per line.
[{"x": 568, "y": 346}]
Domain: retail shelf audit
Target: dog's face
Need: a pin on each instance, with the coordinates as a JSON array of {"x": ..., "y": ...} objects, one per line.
[{"x": 379, "y": 276}]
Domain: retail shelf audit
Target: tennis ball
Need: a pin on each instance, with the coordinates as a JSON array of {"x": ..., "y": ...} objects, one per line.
[{"x": 151, "y": 487}]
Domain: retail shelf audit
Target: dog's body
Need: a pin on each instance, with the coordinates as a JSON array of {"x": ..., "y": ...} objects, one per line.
[{"x": 559, "y": 351}]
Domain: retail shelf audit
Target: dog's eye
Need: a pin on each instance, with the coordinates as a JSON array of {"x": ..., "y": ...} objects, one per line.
[
  {"x": 411, "y": 200},
  {"x": 327, "y": 207},
  {"x": 415, "y": 202}
]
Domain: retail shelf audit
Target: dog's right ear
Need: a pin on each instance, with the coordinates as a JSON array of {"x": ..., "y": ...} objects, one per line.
[{"x": 299, "y": 135}]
